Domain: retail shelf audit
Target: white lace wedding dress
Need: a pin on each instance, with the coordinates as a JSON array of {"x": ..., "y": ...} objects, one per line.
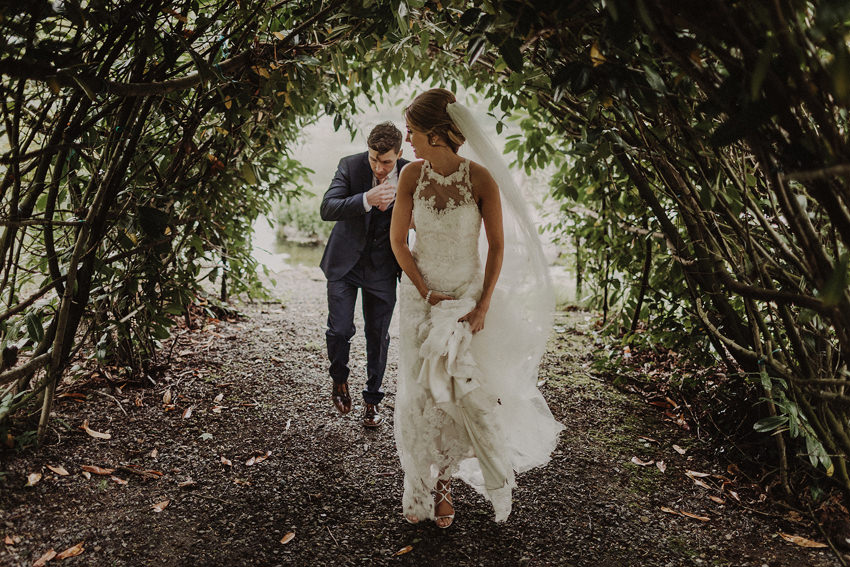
[{"x": 467, "y": 406}]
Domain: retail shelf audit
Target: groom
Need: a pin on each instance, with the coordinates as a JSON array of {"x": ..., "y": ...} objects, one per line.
[{"x": 358, "y": 257}]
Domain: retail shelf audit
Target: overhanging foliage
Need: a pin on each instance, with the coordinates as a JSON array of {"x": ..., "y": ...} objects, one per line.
[{"x": 701, "y": 154}]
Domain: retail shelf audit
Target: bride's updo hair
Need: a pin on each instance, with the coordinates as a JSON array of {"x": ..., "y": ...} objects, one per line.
[{"x": 427, "y": 113}]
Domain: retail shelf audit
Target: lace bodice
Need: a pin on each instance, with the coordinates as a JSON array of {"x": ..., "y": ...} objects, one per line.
[{"x": 448, "y": 224}]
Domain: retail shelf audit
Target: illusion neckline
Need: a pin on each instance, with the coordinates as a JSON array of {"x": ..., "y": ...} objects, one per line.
[{"x": 463, "y": 163}]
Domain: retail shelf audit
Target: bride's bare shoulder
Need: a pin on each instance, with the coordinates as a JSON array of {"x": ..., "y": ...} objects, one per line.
[
  {"x": 480, "y": 176},
  {"x": 411, "y": 168}
]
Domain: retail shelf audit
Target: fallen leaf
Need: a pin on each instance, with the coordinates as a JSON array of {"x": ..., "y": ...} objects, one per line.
[
  {"x": 403, "y": 550},
  {"x": 96, "y": 434},
  {"x": 218, "y": 398},
  {"x": 260, "y": 71},
  {"x": 795, "y": 516},
  {"x": 160, "y": 506},
  {"x": 58, "y": 469},
  {"x": 647, "y": 439},
  {"x": 72, "y": 551},
  {"x": 33, "y": 478},
  {"x": 661, "y": 466},
  {"x": 73, "y": 395},
  {"x": 734, "y": 495},
  {"x": 693, "y": 474},
  {"x": 801, "y": 541},
  {"x": 189, "y": 483},
  {"x": 669, "y": 510},
  {"x": 97, "y": 470},
  {"x": 695, "y": 517},
  {"x": 287, "y": 538},
  {"x": 639, "y": 462},
  {"x": 717, "y": 499},
  {"x": 166, "y": 397},
  {"x": 154, "y": 453},
  {"x": 261, "y": 458},
  {"x": 42, "y": 561},
  {"x": 9, "y": 540},
  {"x": 672, "y": 403},
  {"x": 117, "y": 480},
  {"x": 279, "y": 35},
  {"x": 187, "y": 413},
  {"x": 679, "y": 450},
  {"x": 250, "y": 461},
  {"x": 226, "y": 461},
  {"x": 216, "y": 409},
  {"x": 86, "y": 474}
]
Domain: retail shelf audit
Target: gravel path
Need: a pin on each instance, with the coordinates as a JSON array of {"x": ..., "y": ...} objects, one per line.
[{"x": 337, "y": 487}]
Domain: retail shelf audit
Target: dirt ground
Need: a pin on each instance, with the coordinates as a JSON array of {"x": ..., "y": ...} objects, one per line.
[{"x": 257, "y": 387}]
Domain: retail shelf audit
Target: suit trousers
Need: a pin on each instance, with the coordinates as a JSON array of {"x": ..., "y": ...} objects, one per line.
[{"x": 378, "y": 297}]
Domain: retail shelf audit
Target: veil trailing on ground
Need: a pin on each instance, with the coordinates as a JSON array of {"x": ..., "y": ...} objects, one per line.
[{"x": 522, "y": 308}]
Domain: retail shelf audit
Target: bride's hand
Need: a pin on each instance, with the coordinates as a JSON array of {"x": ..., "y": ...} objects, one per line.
[
  {"x": 437, "y": 297},
  {"x": 475, "y": 318}
]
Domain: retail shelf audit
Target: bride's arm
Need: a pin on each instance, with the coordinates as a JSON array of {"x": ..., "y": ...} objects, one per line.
[
  {"x": 402, "y": 220},
  {"x": 486, "y": 192}
]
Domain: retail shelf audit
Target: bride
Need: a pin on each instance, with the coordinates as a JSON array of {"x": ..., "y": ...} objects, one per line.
[{"x": 471, "y": 338}]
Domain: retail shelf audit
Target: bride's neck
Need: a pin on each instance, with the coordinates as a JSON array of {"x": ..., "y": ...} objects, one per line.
[{"x": 444, "y": 161}]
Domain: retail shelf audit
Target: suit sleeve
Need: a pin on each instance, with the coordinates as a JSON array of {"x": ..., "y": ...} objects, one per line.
[{"x": 340, "y": 202}]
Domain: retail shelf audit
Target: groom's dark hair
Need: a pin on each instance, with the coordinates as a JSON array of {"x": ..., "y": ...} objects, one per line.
[{"x": 384, "y": 137}]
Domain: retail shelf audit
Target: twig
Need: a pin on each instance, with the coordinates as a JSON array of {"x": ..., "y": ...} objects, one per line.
[
  {"x": 833, "y": 171},
  {"x": 333, "y": 538},
  {"x": 826, "y": 537},
  {"x": 142, "y": 473},
  {"x": 113, "y": 398}
]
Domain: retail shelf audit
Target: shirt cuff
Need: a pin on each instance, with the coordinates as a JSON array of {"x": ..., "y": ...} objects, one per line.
[{"x": 366, "y": 204}]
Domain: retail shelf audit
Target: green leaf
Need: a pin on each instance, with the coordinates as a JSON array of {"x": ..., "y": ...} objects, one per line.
[
  {"x": 509, "y": 49},
  {"x": 247, "y": 171},
  {"x": 770, "y": 423},
  {"x": 469, "y": 17},
  {"x": 475, "y": 49},
  {"x": 654, "y": 79},
  {"x": 836, "y": 285},
  {"x": 34, "y": 328}
]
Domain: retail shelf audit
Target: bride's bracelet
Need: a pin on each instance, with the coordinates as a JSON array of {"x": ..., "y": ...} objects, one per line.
[{"x": 428, "y": 297}]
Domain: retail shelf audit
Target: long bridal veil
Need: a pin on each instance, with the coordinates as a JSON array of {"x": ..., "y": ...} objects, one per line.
[{"x": 520, "y": 317}]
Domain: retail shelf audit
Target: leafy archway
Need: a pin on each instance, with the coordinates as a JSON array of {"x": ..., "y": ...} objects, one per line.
[{"x": 701, "y": 158}]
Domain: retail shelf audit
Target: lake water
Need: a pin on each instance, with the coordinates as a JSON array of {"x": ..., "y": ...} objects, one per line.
[{"x": 279, "y": 255}]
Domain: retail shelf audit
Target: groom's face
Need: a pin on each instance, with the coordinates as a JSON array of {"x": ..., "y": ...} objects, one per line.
[{"x": 382, "y": 164}]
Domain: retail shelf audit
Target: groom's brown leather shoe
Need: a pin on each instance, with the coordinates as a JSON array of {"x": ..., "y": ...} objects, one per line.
[
  {"x": 371, "y": 417},
  {"x": 341, "y": 397}
]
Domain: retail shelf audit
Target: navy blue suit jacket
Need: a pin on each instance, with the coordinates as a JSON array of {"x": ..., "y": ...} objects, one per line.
[{"x": 343, "y": 202}]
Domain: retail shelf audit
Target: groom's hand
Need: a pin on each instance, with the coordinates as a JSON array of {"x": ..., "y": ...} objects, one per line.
[{"x": 381, "y": 196}]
